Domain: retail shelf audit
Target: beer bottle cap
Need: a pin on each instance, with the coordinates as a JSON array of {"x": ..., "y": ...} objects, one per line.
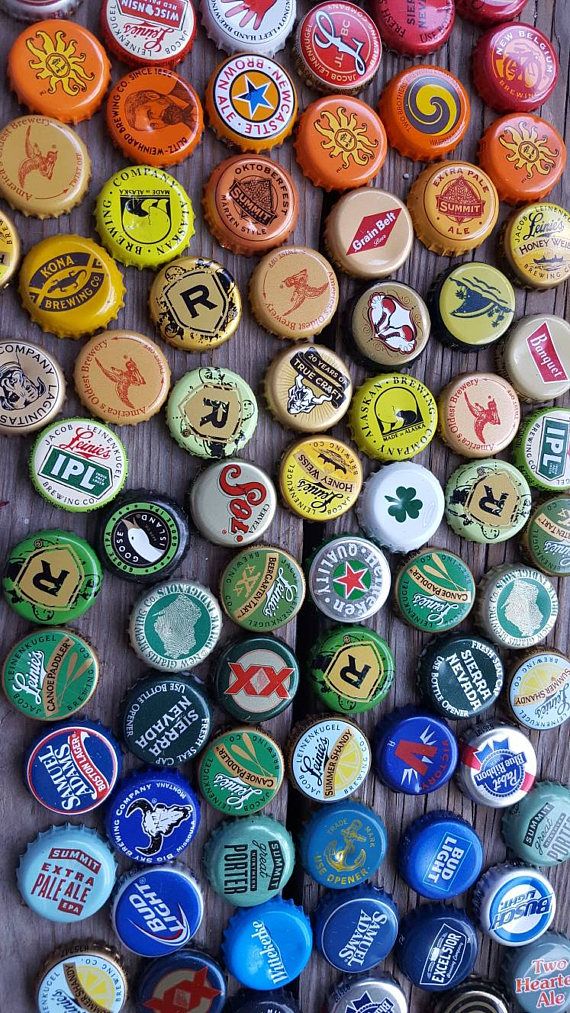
[
  {"x": 256, "y": 678},
  {"x": 143, "y": 537},
  {"x": 426, "y": 112},
  {"x": 436, "y": 947},
  {"x": 497, "y": 764},
  {"x": 434, "y": 590},
  {"x": 175, "y": 625},
  {"x": 293, "y": 292},
  {"x": 454, "y": 207},
  {"x": 524, "y": 155},
  {"x": 78, "y": 465},
  {"x": 546, "y": 538},
  {"x": 389, "y": 325},
  {"x": 536, "y": 357},
  {"x": 82, "y": 971},
  {"x": 414, "y": 27},
  {"x": 232, "y": 502},
  {"x": 488, "y": 12},
  {"x": 9, "y": 248},
  {"x": 534, "y": 241},
  {"x": 319, "y": 478},
  {"x": 536, "y": 828},
  {"x": 308, "y": 388},
  {"x": 251, "y": 102},
  {"x": 249, "y": 860},
  {"x": 153, "y": 816},
  {"x": 510, "y": 46},
  {"x": 191, "y": 973},
  {"x": 149, "y": 34},
  {"x": 400, "y": 746},
  {"x": 72, "y": 768},
  {"x": 460, "y": 676},
  {"x": 263, "y": 31},
  {"x": 440, "y": 855},
  {"x": 527, "y": 975},
  {"x": 337, "y": 48},
  {"x": 59, "y": 857},
  {"x": 541, "y": 449},
  {"x": 479, "y": 414},
  {"x": 28, "y": 10},
  {"x": 324, "y": 844},
  {"x": 487, "y": 501},
  {"x": 482, "y": 996},
  {"x": 271, "y": 1001},
  {"x": 230, "y": 771},
  {"x": 349, "y": 578},
  {"x": 338, "y": 920},
  {"x": 195, "y": 303},
  {"x": 401, "y": 506},
  {"x": 369, "y": 233},
  {"x": 58, "y": 183},
  {"x": 472, "y": 305},
  {"x": 351, "y": 669},
  {"x": 497, "y": 904},
  {"x": 517, "y": 605},
  {"x": 203, "y": 424},
  {"x": 253, "y": 936},
  {"x": 328, "y": 758},
  {"x": 175, "y": 900},
  {"x": 382, "y": 399},
  {"x": 262, "y": 588},
  {"x": 326, "y": 162},
  {"x": 539, "y": 684},
  {"x": 50, "y": 674},
  {"x": 35, "y": 383},
  {"x": 122, "y": 377},
  {"x": 374, "y": 989},
  {"x": 166, "y": 719}
]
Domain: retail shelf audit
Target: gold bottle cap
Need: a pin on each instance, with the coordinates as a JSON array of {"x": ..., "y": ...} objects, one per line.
[
  {"x": 536, "y": 244},
  {"x": 479, "y": 414},
  {"x": 454, "y": 207},
  {"x": 320, "y": 478},
  {"x": 9, "y": 249},
  {"x": 44, "y": 166},
  {"x": 390, "y": 324},
  {"x": 369, "y": 233},
  {"x": 195, "y": 303},
  {"x": 308, "y": 388},
  {"x": 293, "y": 292},
  {"x": 122, "y": 377}
]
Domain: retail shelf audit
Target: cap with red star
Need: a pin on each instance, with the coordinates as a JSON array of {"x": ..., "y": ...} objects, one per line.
[{"x": 349, "y": 578}]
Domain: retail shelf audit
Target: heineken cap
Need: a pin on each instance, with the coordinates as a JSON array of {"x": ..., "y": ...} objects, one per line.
[
  {"x": 256, "y": 678},
  {"x": 166, "y": 719},
  {"x": 250, "y": 860},
  {"x": 348, "y": 578},
  {"x": 351, "y": 669}
]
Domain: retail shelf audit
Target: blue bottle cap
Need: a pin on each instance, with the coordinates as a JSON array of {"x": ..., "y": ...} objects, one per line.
[
  {"x": 67, "y": 873},
  {"x": 440, "y": 855},
  {"x": 152, "y": 816},
  {"x": 475, "y": 995},
  {"x": 366, "y": 993},
  {"x": 357, "y": 929},
  {"x": 187, "y": 980},
  {"x": 437, "y": 947},
  {"x": 73, "y": 767},
  {"x": 416, "y": 752},
  {"x": 540, "y": 969},
  {"x": 158, "y": 910},
  {"x": 277, "y": 1001},
  {"x": 267, "y": 946},
  {"x": 514, "y": 904},
  {"x": 343, "y": 844}
]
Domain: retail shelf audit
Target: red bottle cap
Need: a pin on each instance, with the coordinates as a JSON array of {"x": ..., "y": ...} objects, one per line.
[
  {"x": 151, "y": 33},
  {"x": 524, "y": 155},
  {"x": 489, "y": 12},
  {"x": 515, "y": 67},
  {"x": 414, "y": 27},
  {"x": 338, "y": 47},
  {"x": 341, "y": 143}
]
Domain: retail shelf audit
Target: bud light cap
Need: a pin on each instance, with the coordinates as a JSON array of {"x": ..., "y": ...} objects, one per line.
[
  {"x": 415, "y": 751},
  {"x": 268, "y": 945},
  {"x": 528, "y": 973},
  {"x": 153, "y": 816},
  {"x": 436, "y": 947},
  {"x": 367, "y": 993},
  {"x": 246, "y": 1001},
  {"x": 356, "y": 929},
  {"x": 537, "y": 829},
  {"x": 440, "y": 855},
  {"x": 497, "y": 765},
  {"x": 327, "y": 838},
  {"x": 157, "y": 910},
  {"x": 513, "y": 904},
  {"x": 191, "y": 973}
]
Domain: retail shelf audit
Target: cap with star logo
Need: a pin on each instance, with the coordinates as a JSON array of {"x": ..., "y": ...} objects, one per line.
[
  {"x": 187, "y": 980},
  {"x": 337, "y": 48},
  {"x": 251, "y": 102},
  {"x": 256, "y": 678},
  {"x": 152, "y": 816},
  {"x": 348, "y": 578},
  {"x": 149, "y": 34},
  {"x": 294, "y": 292},
  {"x": 351, "y": 669},
  {"x": 326, "y": 161},
  {"x": 261, "y": 27},
  {"x": 415, "y": 751}
]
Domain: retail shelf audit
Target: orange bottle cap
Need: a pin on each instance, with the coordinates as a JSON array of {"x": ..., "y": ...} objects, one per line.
[
  {"x": 341, "y": 143},
  {"x": 425, "y": 111},
  {"x": 454, "y": 207},
  {"x": 44, "y": 166},
  {"x": 122, "y": 377},
  {"x": 369, "y": 233},
  {"x": 524, "y": 155},
  {"x": 293, "y": 292},
  {"x": 58, "y": 68},
  {"x": 251, "y": 102}
]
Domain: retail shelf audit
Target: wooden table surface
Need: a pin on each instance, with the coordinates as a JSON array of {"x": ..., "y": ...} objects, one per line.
[{"x": 155, "y": 460}]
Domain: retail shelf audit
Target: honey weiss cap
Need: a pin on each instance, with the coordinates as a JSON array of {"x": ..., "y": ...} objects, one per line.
[{"x": 536, "y": 245}]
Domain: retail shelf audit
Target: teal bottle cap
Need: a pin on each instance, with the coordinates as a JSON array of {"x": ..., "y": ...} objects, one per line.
[
  {"x": 537, "y": 970},
  {"x": 351, "y": 669},
  {"x": 537, "y": 829},
  {"x": 434, "y": 590},
  {"x": 542, "y": 449},
  {"x": 546, "y": 538},
  {"x": 539, "y": 689},
  {"x": 175, "y": 625},
  {"x": 211, "y": 412},
  {"x": 50, "y": 674},
  {"x": 166, "y": 719},
  {"x": 256, "y": 678},
  {"x": 513, "y": 905},
  {"x": 241, "y": 771},
  {"x": 517, "y": 606},
  {"x": 343, "y": 844},
  {"x": 262, "y": 588},
  {"x": 250, "y": 860},
  {"x": 487, "y": 501},
  {"x": 460, "y": 676},
  {"x": 268, "y": 946},
  {"x": 349, "y": 578},
  {"x": 78, "y": 464}
]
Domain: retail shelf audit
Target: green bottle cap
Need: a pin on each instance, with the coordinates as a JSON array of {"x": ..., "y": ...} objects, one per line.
[
  {"x": 539, "y": 689},
  {"x": 262, "y": 588},
  {"x": 487, "y": 501},
  {"x": 241, "y": 771},
  {"x": 434, "y": 590},
  {"x": 255, "y": 679},
  {"x": 546, "y": 538},
  {"x": 349, "y": 578},
  {"x": 517, "y": 605},
  {"x": 212, "y": 412},
  {"x": 460, "y": 676},
  {"x": 542, "y": 447},
  {"x": 249, "y": 861},
  {"x": 351, "y": 669},
  {"x": 537, "y": 829},
  {"x": 78, "y": 464},
  {"x": 175, "y": 625},
  {"x": 51, "y": 577},
  {"x": 50, "y": 674},
  {"x": 166, "y": 719}
]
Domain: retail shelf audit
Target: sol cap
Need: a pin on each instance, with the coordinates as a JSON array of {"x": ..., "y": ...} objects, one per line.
[
  {"x": 454, "y": 207},
  {"x": 343, "y": 844},
  {"x": 367, "y": 990},
  {"x": 389, "y": 326},
  {"x": 338, "y": 923},
  {"x": 472, "y": 305},
  {"x": 426, "y": 112},
  {"x": 535, "y": 242},
  {"x": 195, "y": 304},
  {"x": 293, "y": 293},
  {"x": 251, "y": 102},
  {"x": 474, "y": 996},
  {"x": 45, "y": 167},
  {"x": 263, "y": 31},
  {"x": 78, "y": 465},
  {"x": 166, "y": 719},
  {"x": 211, "y": 412},
  {"x": 157, "y": 910},
  {"x": 249, "y": 860},
  {"x": 72, "y": 768},
  {"x": 319, "y": 478},
  {"x": 414, "y": 27},
  {"x": 369, "y": 233},
  {"x": 81, "y": 972},
  {"x": 241, "y": 770},
  {"x": 307, "y": 388},
  {"x": 528, "y": 976},
  {"x": 328, "y": 758},
  {"x": 152, "y": 816},
  {"x": 436, "y": 947},
  {"x": 434, "y": 590},
  {"x": 460, "y": 675},
  {"x": 546, "y": 538},
  {"x": 149, "y": 35},
  {"x": 517, "y": 606},
  {"x": 232, "y": 502},
  {"x": 488, "y": 12},
  {"x": 175, "y": 625},
  {"x": 350, "y": 669},
  {"x": 143, "y": 536},
  {"x": 337, "y": 48},
  {"x": 381, "y": 400},
  {"x": 539, "y": 684},
  {"x": 535, "y": 357},
  {"x": 513, "y": 905},
  {"x": 497, "y": 765},
  {"x": 487, "y": 501},
  {"x": 340, "y": 166},
  {"x": 541, "y": 449},
  {"x": 262, "y": 588},
  {"x": 440, "y": 855},
  {"x": 10, "y": 249},
  {"x": 267, "y": 946},
  {"x": 255, "y": 678},
  {"x": 192, "y": 973},
  {"x": 415, "y": 751},
  {"x": 401, "y": 506},
  {"x": 524, "y": 155},
  {"x": 537, "y": 828},
  {"x": 32, "y": 387},
  {"x": 122, "y": 377},
  {"x": 348, "y": 578},
  {"x": 479, "y": 414},
  {"x": 499, "y": 67}
]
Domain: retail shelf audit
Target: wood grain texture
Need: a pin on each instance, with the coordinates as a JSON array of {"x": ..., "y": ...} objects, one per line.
[{"x": 156, "y": 461}]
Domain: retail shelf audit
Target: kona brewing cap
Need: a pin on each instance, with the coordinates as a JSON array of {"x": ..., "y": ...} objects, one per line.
[
  {"x": 415, "y": 751},
  {"x": 50, "y": 674},
  {"x": 81, "y": 972},
  {"x": 157, "y": 910},
  {"x": 539, "y": 689},
  {"x": 440, "y": 855},
  {"x": 44, "y": 166},
  {"x": 390, "y": 396},
  {"x": 517, "y": 605},
  {"x": 488, "y": 12},
  {"x": 542, "y": 448},
  {"x": 499, "y": 62},
  {"x": 328, "y": 759},
  {"x": 326, "y": 162},
  {"x": 211, "y": 412},
  {"x": 152, "y": 816},
  {"x": 474, "y": 996},
  {"x": 513, "y": 905},
  {"x": 73, "y": 768},
  {"x": 535, "y": 242},
  {"x": 349, "y": 578},
  {"x": 454, "y": 207},
  {"x": 143, "y": 537},
  {"x": 426, "y": 112},
  {"x": 192, "y": 974},
  {"x": 122, "y": 377},
  {"x": 255, "y": 678},
  {"x": 355, "y": 929},
  {"x": 324, "y": 848},
  {"x": 436, "y": 947},
  {"x": 320, "y": 478},
  {"x": 497, "y": 765},
  {"x": 32, "y": 10},
  {"x": 479, "y": 414},
  {"x": 251, "y": 102},
  {"x": 389, "y": 325},
  {"x": 368, "y": 991},
  {"x": 32, "y": 387},
  {"x": 149, "y": 34},
  {"x": 293, "y": 292},
  {"x": 460, "y": 675},
  {"x": 537, "y": 828},
  {"x": 487, "y": 501},
  {"x": 232, "y": 502},
  {"x": 241, "y": 771},
  {"x": 78, "y": 465},
  {"x": 263, "y": 31},
  {"x": 434, "y": 590},
  {"x": 351, "y": 669},
  {"x": 414, "y": 27},
  {"x": 524, "y": 155},
  {"x": 472, "y": 305},
  {"x": 9, "y": 249},
  {"x": 536, "y": 357},
  {"x": 195, "y": 303},
  {"x": 268, "y": 945},
  {"x": 527, "y": 972},
  {"x": 166, "y": 719},
  {"x": 250, "y": 860},
  {"x": 546, "y": 538},
  {"x": 401, "y": 506},
  {"x": 337, "y": 48},
  {"x": 175, "y": 625},
  {"x": 369, "y": 233},
  {"x": 308, "y": 388}
]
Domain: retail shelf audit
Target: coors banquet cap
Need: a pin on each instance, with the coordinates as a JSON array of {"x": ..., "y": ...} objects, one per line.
[
  {"x": 337, "y": 48},
  {"x": 61, "y": 182},
  {"x": 535, "y": 357}
]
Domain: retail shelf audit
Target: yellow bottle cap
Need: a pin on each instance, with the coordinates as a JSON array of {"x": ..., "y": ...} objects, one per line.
[
  {"x": 122, "y": 377},
  {"x": 308, "y": 388},
  {"x": 70, "y": 286},
  {"x": 9, "y": 249},
  {"x": 44, "y": 166},
  {"x": 536, "y": 244},
  {"x": 144, "y": 216},
  {"x": 195, "y": 303},
  {"x": 293, "y": 292},
  {"x": 320, "y": 478},
  {"x": 251, "y": 102},
  {"x": 393, "y": 417},
  {"x": 454, "y": 207}
]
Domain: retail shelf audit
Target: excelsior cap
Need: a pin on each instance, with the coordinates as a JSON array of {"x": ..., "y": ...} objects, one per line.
[
  {"x": 474, "y": 996},
  {"x": 294, "y": 292},
  {"x": 73, "y": 768},
  {"x": 262, "y": 588},
  {"x": 347, "y": 165},
  {"x": 366, "y": 990},
  {"x": 251, "y": 102},
  {"x": 44, "y": 166},
  {"x": 437, "y": 947},
  {"x": 152, "y": 816},
  {"x": 232, "y": 502},
  {"x": 256, "y": 678},
  {"x": 166, "y": 719},
  {"x": 157, "y": 910},
  {"x": 143, "y": 537},
  {"x": 472, "y": 305},
  {"x": 337, "y": 48},
  {"x": 192, "y": 974},
  {"x": 369, "y": 233},
  {"x": 414, "y": 27},
  {"x": 541, "y": 449},
  {"x": 546, "y": 538},
  {"x": 320, "y": 478},
  {"x": 149, "y": 34},
  {"x": 81, "y": 971},
  {"x": 513, "y": 905},
  {"x": 524, "y": 156},
  {"x": 535, "y": 243},
  {"x": 348, "y": 578},
  {"x": 211, "y": 412},
  {"x": 328, "y": 758},
  {"x": 499, "y": 67},
  {"x": 415, "y": 751},
  {"x": 9, "y": 249},
  {"x": 479, "y": 414},
  {"x": 440, "y": 855},
  {"x": 487, "y": 501},
  {"x": 392, "y": 417},
  {"x": 122, "y": 377},
  {"x": 50, "y": 674},
  {"x": 175, "y": 625},
  {"x": 263, "y": 31},
  {"x": 536, "y": 357},
  {"x": 308, "y": 388},
  {"x": 401, "y": 506},
  {"x": 351, "y": 669},
  {"x": 460, "y": 675},
  {"x": 517, "y": 606},
  {"x": 78, "y": 464},
  {"x": 426, "y": 112},
  {"x": 195, "y": 303},
  {"x": 389, "y": 325},
  {"x": 489, "y": 12},
  {"x": 38, "y": 10},
  {"x": 539, "y": 688},
  {"x": 537, "y": 828},
  {"x": 268, "y": 945},
  {"x": 250, "y": 860},
  {"x": 339, "y": 934},
  {"x": 241, "y": 771},
  {"x": 497, "y": 764},
  {"x": 528, "y": 976},
  {"x": 343, "y": 844},
  {"x": 454, "y": 207},
  {"x": 32, "y": 387},
  {"x": 434, "y": 590}
]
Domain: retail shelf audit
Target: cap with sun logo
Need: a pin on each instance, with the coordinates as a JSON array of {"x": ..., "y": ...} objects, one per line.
[
  {"x": 341, "y": 143},
  {"x": 251, "y": 102},
  {"x": 524, "y": 155}
]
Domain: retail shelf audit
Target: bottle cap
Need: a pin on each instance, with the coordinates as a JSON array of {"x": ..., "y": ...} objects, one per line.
[
  {"x": 382, "y": 239},
  {"x": 454, "y": 207},
  {"x": 166, "y": 719},
  {"x": 517, "y": 605},
  {"x": 175, "y": 625},
  {"x": 52, "y": 577},
  {"x": 144, "y": 216},
  {"x": 414, "y": 27},
  {"x": 195, "y": 303},
  {"x": 256, "y": 678},
  {"x": 232, "y": 502},
  {"x": 328, "y": 758},
  {"x": 334, "y": 165},
  {"x": 320, "y": 478},
  {"x": 262, "y": 588},
  {"x": 152, "y": 817},
  {"x": 250, "y": 204},
  {"x": 250, "y": 860},
  {"x": 546, "y": 538},
  {"x": 401, "y": 506},
  {"x": 122, "y": 377},
  {"x": 524, "y": 155},
  {"x": 66, "y": 874},
  {"x": 157, "y": 910},
  {"x": 154, "y": 116},
  {"x": 366, "y": 992},
  {"x": 251, "y": 102},
  {"x": 32, "y": 387},
  {"x": 149, "y": 34},
  {"x": 415, "y": 751},
  {"x": 497, "y": 765},
  {"x": 9, "y": 249},
  {"x": 479, "y": 414},
  {"x": 539, "y": 688},
  {"x": 337, "y": 48},
  {"x": 44, "y": 166},
  {"x": 73, "y": 768},
  {"x": 392, "y": 416},
  {"x": 58, "y": 68},
  {"x": 434, "y": 590},
  {"x": 349, "y": 578},
  {"x": 535, "y": 239},
  {"x": 536, "y": 357},
  {"x": 426, "y": 112},
  {"x": 488, "y": 12},
  {"x": 389, "y": 325},
  {"x": 355, "y": 929},
  {"x": 487, "y": 501},
  {"x": 268, "y": 945},
  {"x": 528, "y": 975},
  {"x": 211, "y": 412},
  {"x": 472, "y": 305},
  {"x": 513, "y": 905},
  {"x": 241, "y": 771},
  {"x": 351, "y": 669},
  {"x": 476, "y": 995},
  {"x": 272, "y": 1001},
  {"x": 143, "y": 537},
  {"x": 188, "y": 976},
  {"x": 460, "y": 675},
  {"x": 293, "y": 292},
  {"x": 541, "y": 449},
  {"x": 537, "y": 828},
  {"x": 437, "y": 947},
  {"x": 81, "y": 973},
  {"x": 78, "y": 464},
  {"x": 50, "y": 674},
  {"x": 343, "y": 844},
  {"x": 308, "y": 388},
  {"x": 30, "y": 10},
  {"x": 500, "y": 59},
  {"x": 70, "y": 286},
  {"x": 440, "y": 855},
  {"x": 263, "y": 30}
]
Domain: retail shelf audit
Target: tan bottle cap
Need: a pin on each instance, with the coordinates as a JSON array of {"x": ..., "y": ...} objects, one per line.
[
  {"x": 536, "y": 244},
  {"x": 44, "y": 166},
  {"x": 369, "y": 233},
  {"x": 9, "y": 249},
  {"x": 195, "y": 303},
  {"x": 293, "y": 292},
  {"x": 390, "y": 324},
  {"x": 454, "y": 207},
  {"x": 32, "y": 387},
  {"x": 479, "y": 414},
  {"x": 320, "y": 478},
  {"x": 122, "y": 377},
  {"x": 535, "y": 357},
  {"x": 308, "y": 388}
]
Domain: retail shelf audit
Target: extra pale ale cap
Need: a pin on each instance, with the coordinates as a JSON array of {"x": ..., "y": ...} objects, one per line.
[
  {"x": 44, "y": 166},
  {"x": 536, "y": 357},
  {"x": 454, "y": 207}
]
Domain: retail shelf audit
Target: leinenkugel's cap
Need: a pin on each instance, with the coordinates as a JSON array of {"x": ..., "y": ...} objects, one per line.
[
  {"x": 44, "y": 166},
  {"x": 538, "y": 691},
  {"x": 78, "y": 464},
  {"x": 229, "y": 771},
  {"x": 310, "y": 482},
  {"x": 541, "y": 449},
  {"x": 328, "y": 758},
  {"x": 262, "y": 588},
  {"x": 50, "y": 673},
  {"x": 9, "y": 249},
  {"x": 149, "y": 34},
  {"x": 546, "y": 538},
  {"x": 535, "y": 242},
  {"x": 85, "y": 972},
  {"x": 434, "y": 590},
  {"x": 337, "y": 48},
  {"x": 38, "y": 10}
]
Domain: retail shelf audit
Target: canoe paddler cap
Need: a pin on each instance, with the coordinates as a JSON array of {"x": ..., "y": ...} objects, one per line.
[{"x": 251, "y": 102}]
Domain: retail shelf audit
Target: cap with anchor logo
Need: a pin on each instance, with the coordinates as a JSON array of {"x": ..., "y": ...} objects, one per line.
[
  {"x": 343, "y": 844},
  {"x": 337, "y": 48}
]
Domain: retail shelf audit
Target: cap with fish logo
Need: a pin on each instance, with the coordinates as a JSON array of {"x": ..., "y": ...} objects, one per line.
[
  {"x": 153, "y": 816},
  {"x": 122, "y": 377},
  {"x": 175, "y": 625},
  {"x": 320, "y": 478},
  {"x": 143, "y": 537},
  {"x": 50, "y": 674}
]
